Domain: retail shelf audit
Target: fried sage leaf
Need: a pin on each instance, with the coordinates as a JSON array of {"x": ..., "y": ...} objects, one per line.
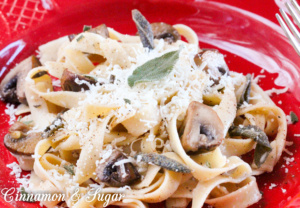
[
  {"x": 294, "y": 117},
  {"x": 54, "y": 126},
  {"x": 246, "y": 92},
  {"x": 144, "y": 29},
  {"x": 69, "y": 169},
  {"x": 154, "y": 69},
  {"x": 263, "y": 147},
  {"x": 163, "y": 161}
]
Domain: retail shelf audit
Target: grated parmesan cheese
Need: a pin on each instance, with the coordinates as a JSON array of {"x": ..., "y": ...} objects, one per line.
[
  {"x": 288, "y": 160},
  {"x": 10, "y": 110},
  {"x": 277, "y": 91},
  {"x": 288, "y": 119},
  {"x": 16, "y": 171},
  {"x": 56, "y": 83},
  {"x": 245, "y": 104},
  {"x": 256, "y": 79},
  {"x": 273, "y": 185}
]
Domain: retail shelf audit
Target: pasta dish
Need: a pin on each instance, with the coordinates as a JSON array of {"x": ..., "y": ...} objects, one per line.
[{"x": 150, "y": 116}]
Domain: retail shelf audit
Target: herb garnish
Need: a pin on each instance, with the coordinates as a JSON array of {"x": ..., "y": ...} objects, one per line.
[
  {"x": 94, "y": 78},
  {"x": 70, "y": 169},
  {"x": 19, "y": 118},
  {"x": 154, "y": 69},
  {"x": 54, "y": 126},
  {"x": 79, "y": 38},
  {"x": 24, "y": 122},
  {"x": 127, "y": 101},
  {"x": 207, "y": 164},
  {"x": 86, "y": 28},
  {"x": 26, "y": 196},
  {"x": 263, "y": 147},
  {"x": 144, "y": 29},
  {"x": 246, "y": 92},
  {"x": 294, "y": 117},
  {"x": 163, "y": 161}
]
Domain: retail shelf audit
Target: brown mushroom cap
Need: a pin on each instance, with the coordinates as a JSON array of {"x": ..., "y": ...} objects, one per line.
[
  {"x": 12, "y": 88},
  {"x": 112, "y": 174},
  {"x": 216, "y": 65},
  {"x": 23, "y": 144},
  {"x": 68, "y": 82},
  {"x": 203, "y": 129},
  {"x": 165, "y": 31}
]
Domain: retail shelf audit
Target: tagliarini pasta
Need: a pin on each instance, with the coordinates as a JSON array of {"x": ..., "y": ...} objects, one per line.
[{"x": 148, "y": 116}]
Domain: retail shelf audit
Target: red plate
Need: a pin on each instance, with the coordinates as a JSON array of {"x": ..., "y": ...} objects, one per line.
[{"x": 246, "y": 31}]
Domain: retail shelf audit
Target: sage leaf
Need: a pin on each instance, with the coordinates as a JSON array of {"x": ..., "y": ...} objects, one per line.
[
  {"x": 80, "y": 38},
  {"x": 86, "y": 28},
  {"x": 70, "y": 169},
  {"x": 144, "y": 29},
  {"x": 263, "y": 147},
  {"x": 246, "y": 92},
  {"x": 54, "y": 126},
  {"x": 154, "y": 69},
  {"x": 294, "y": 117},
  {"x": 162, "y": 161}
]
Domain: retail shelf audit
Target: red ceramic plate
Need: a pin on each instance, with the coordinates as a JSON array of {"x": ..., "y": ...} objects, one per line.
[{"x": 245, "y": 31}]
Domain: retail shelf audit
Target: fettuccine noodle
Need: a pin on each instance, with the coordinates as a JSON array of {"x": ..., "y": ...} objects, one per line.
[{"x": 145, "y": 118}]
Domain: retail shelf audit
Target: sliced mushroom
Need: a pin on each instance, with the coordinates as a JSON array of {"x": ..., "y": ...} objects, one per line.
[
  {"x": 70, "y": 81},
  {"x": 18, "y": 141},
  {"x": 165, "y": 31},
  {"x": 202, "y": 129},
  {"x": 215, "y": 63},
  {"x": 117, "y": 175},
  {"x": 21, "y": 144},
  {"x": 12, "y": 88},
  {"x": 100, "y": 30}
]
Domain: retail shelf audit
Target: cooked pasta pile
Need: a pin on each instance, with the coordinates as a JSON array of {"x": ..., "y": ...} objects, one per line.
[{"x": 165, "y": 121}]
